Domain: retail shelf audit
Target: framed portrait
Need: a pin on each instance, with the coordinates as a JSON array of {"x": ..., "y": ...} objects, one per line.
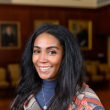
[
  {"x": 10, "y": 35},
  {"x": 82, "y": 30},
  {"x": 39, "y": 23}
]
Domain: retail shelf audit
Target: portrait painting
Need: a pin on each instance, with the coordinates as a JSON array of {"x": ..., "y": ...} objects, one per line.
[
  {"x": 9, "y": 35},
  {"x": 82, "y": 31},
  {"x": 39, "y": 23}
]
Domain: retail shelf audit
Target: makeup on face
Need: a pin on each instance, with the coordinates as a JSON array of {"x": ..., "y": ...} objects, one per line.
[{"x": 47, "y": 56}]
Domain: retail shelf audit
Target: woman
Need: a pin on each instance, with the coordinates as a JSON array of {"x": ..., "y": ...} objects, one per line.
[{"x": 52, "y": 74}]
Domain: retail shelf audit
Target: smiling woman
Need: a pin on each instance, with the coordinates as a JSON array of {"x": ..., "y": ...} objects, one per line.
[{"x": 52, "y": 74}]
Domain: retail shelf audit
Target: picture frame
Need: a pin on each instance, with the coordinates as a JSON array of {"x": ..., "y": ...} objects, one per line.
[
  {"x": 82, "y": 31},
  {"x": 10, "y": 35},
  {"x": 39, "y": 23}
]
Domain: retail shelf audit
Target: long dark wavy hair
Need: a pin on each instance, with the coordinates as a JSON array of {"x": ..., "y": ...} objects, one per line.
[{"x": 71, "y": 72}]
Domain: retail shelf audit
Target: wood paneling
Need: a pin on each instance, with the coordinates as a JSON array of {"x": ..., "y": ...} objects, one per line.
[{"x": 27, "y": 14}]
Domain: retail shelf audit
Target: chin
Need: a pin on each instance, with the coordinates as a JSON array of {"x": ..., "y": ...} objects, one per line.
[{"x": 44, "y": 77}]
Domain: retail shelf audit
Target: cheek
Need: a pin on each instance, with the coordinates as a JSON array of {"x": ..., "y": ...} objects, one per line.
[
  {"x": 57, "y": 62},
  {"x": 33, "y": 58}
]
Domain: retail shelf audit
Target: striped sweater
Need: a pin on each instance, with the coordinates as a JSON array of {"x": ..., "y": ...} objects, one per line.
[{"x": 85, "y": 99}]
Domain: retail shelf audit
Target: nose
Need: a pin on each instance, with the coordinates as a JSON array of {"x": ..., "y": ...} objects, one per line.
[{"x": 42, "y": 58}]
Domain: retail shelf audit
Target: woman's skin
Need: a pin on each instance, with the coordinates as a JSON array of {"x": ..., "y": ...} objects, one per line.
[{"x": 47, "y": 56}]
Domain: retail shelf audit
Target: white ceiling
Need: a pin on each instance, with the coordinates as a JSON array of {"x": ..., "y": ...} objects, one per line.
[{"x": 61, "y": 3}]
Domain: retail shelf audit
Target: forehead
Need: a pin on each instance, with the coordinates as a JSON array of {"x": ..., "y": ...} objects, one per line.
[{"x": 46, "y": 39}]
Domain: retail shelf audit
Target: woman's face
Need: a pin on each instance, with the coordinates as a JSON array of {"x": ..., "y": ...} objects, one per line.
[{"x": 47, "y": 56}]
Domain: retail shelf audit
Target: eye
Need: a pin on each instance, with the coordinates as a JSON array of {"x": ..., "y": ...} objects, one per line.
[
  {"x": 36, "y": 51},
  {"x": 52, "y": 52}
]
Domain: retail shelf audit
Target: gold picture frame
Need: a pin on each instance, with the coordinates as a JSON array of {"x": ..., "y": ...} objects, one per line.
[
  {"x": 82, "y": 30},
  {"x": 39, "y": 23},
  {"x": 10, "y": 35}
]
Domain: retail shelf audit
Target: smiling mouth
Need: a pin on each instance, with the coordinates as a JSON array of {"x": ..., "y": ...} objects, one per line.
[{"x": 45, "y": 68}]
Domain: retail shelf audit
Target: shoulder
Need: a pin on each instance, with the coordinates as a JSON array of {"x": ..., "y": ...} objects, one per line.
[
  {"x": 31, "y": 103},
  {"x": 12, "y": 107},
  {"x": 86, "y": 98}
]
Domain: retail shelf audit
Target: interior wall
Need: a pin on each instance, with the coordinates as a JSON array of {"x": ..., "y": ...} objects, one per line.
[
  {"x": 108, "y": 52},
  {"x": 27, "y": 14}
]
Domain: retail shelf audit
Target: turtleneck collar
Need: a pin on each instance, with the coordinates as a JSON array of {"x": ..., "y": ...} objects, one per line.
[{"x": 49, "y": 84}]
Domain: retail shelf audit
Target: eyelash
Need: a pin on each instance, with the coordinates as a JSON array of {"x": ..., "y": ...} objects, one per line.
[
  {"x": 36, "y": 51},
  {"x": 50, "y": 52}
]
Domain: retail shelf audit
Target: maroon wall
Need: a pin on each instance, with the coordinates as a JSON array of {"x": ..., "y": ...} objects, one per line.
[{"x": 27, "y": 14}]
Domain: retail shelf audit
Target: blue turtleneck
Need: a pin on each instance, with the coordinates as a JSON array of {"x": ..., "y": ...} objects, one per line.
[{"x": 48, "y": 90}]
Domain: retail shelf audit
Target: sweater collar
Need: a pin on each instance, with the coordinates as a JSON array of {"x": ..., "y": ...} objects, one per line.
[{"x": 49, "y": 84}]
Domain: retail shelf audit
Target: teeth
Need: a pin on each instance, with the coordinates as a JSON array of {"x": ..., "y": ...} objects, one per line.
[{"x": 44, "y": 68}]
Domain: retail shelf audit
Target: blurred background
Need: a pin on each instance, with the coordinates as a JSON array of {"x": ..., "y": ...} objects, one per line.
[{"x": 20, "y": 18}]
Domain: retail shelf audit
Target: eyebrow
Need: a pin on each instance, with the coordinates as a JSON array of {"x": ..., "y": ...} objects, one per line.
[
  {"x": 47, "y": 47},
  {"x": 37, "y": 47}
]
